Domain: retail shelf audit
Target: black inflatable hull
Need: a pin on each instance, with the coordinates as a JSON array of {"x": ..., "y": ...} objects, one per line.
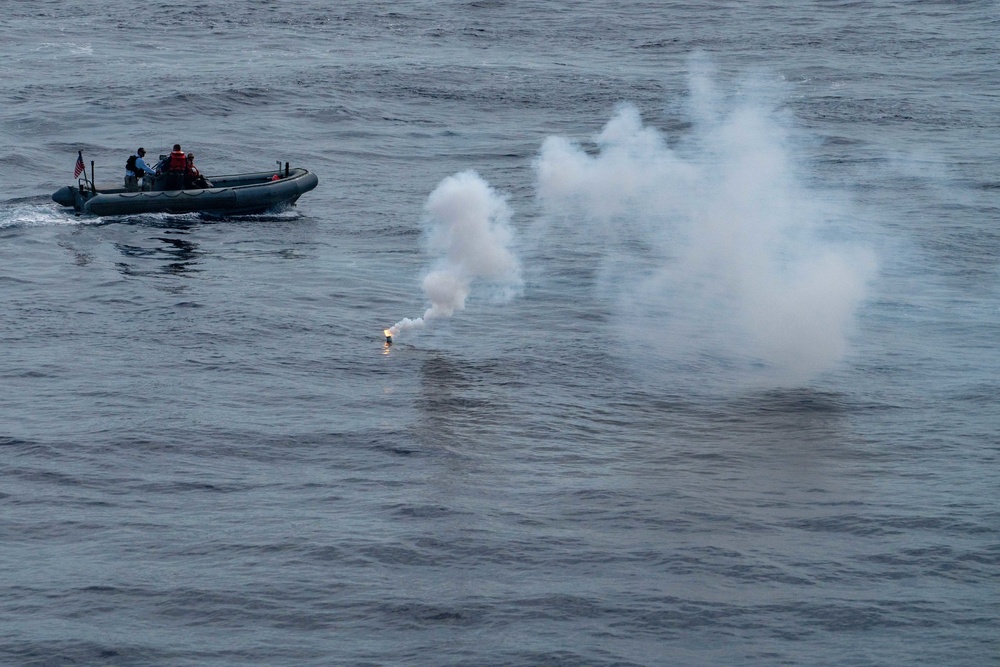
[{"x": 239, "y": 194}]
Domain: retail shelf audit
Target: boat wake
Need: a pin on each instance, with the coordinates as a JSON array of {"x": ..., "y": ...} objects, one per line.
[
  {"x": 192, "y": 219},
  {"x": 279, "y": 214},
  {"x": 36, "y": 212},
  {"x": 42, "y": 212}
]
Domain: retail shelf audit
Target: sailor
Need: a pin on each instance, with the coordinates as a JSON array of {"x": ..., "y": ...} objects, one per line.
[
  {"x": 176, "y": 166},
  {"x": 192, "y": 177},
  {"x": 136, "y": 168}
]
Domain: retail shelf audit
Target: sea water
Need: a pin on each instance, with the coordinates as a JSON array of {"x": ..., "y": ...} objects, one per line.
[{"x": 695, "y": 314}]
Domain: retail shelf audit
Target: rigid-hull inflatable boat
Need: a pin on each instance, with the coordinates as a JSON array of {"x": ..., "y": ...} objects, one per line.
[{"x": 238, "y": 194}]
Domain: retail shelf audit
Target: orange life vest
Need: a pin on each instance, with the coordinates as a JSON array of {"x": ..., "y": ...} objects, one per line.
[{"x": 178, "y": 161}]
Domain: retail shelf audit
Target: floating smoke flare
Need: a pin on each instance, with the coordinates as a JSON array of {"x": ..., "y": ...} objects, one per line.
[{"x": 470, "y": 229}]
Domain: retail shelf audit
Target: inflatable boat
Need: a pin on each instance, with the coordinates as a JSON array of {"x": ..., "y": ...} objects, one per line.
[{"x": 237, "y": 194}]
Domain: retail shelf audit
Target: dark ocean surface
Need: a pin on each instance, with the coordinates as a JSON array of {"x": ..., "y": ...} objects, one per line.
[{"x": 706, "y": 370}]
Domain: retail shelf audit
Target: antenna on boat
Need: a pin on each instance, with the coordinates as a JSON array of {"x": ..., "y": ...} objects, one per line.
[{"x": 93, "y": 186}]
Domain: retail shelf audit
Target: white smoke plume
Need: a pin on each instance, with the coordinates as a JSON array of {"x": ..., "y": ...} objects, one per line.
[
  {"x": 470, "y": 232},
  {"x": 715, "y": 254}
]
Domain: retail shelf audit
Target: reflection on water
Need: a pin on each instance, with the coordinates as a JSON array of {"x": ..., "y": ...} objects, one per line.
[
  {"x": 456, "y": 395},
  {"x": 180, "y": 255}
]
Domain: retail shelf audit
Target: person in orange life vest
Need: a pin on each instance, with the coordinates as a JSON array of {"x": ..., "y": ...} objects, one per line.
[
  {"x": 176, "y": 165},
  {"x": 192, "y": 177},
  {"x": 177, "y": 160}
]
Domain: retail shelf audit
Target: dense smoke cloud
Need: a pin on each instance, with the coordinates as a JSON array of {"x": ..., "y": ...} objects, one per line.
[{"x": 714, "y": 255}]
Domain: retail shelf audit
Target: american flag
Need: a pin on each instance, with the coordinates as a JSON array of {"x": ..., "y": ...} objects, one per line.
[{"x": 79, "y": 165}]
